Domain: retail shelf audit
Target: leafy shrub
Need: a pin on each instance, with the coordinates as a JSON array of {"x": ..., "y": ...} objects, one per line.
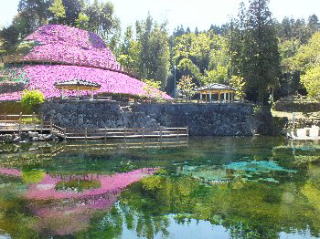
[{"x": 31, "y": 98}]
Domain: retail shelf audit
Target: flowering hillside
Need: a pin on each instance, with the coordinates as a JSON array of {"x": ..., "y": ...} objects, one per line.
[
  {"x": 43, "y": 77},
  {"x": 63, "y": 44},
  {"x": 65, "y": 53}
]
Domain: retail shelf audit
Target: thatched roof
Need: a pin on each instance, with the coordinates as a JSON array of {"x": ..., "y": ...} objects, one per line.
[
  {"x": 77, "y": 84},
  {"x": 216, "y": 87}
]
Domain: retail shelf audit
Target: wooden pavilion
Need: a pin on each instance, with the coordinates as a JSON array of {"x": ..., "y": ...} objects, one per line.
[
  {"x": 77, "y": 85},
  {"x": 216, "y": 92}
]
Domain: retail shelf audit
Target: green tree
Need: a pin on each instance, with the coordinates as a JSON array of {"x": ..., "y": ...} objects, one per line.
[
  {"x": 154, "y": 52},
  {"x": 151, "y": 88},
  {"x": 102, "y": 19},
  {"x": 82, "y": 21},
  {"x": 129, "y": 52},
  {"x": 307, "y": 55},
  {"x": 311, "y": 81},
  {"x": 186, "y": 87},
  {"x": 254, "y": 50},
  {"x": 238, "y": 83},
  {"x": 9, "y": 37},
  {"x": 58, "y": 11}
]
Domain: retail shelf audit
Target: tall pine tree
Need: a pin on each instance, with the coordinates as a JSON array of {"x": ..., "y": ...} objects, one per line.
[{"x": 255, "y": 50}]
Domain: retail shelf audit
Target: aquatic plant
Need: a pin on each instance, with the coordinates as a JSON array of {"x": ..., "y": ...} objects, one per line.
[{"x": 257, "y": 167}]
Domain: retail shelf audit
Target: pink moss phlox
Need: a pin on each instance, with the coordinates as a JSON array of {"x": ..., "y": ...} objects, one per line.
[
  {"x": 43, "y": 78},
  {"x": 85, "y": 56},
  {"x": 10, "y": 172}
]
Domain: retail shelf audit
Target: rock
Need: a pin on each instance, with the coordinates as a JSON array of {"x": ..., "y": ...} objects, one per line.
[
  {"x": 16, "y": 139},
  {"x": 35, "y": 139},
  {"x": 33, "y": 134},
  {"x": 24, "y": 141},
  {"x": 6, "y": 138}
]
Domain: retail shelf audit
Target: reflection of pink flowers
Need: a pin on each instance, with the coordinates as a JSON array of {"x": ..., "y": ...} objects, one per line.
[
  {"x": 46, "y": 188},
  {"x": 74, "y": 53},
  {"x": 64, "y": 213},
  {"x": 10, "y": 172}
]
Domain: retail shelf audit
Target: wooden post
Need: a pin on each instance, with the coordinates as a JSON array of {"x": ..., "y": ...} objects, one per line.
[
  {"x": 51, "y": 125},
  {"x": 33, "y": 116},
  {"x": 19, "y": 129},
  {"x": 143, "y": 133},
  {"x": 86, "y": 133},
  {"x": 105, "y": 134},
  {"x": 161, "y": 134},
  {"x": 65, "y": 133}
]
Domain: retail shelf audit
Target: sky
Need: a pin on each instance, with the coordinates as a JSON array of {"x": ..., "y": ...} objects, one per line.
[{"x": 192, "y": 13}]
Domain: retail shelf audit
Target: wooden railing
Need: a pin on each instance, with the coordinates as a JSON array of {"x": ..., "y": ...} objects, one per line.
[
  {"x": 20, "y": 118},
  {"x": 24, "y": 123},
  {"x": 118, "y": 133}
]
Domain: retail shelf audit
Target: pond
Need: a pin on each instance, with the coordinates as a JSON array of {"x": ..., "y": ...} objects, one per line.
[{"x": 260, "y": 187}]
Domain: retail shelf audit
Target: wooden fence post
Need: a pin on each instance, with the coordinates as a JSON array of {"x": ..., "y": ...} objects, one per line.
[
  {"x": 33, "y": 116},
  {"x": 105, "y": 134},
  {"x": 51, "y": 125},
  {"x": 65, "y": 133},
  {"x": 19, "y": 129},
  {"x": 86, "y": 133}
]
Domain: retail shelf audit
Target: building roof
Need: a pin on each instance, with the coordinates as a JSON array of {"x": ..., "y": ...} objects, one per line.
[
  {"x": 77, "y": 84},
  {"x": 216, "y": 86}
]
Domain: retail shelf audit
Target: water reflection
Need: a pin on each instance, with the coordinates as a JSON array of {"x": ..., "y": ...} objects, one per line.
[
  {"x": 65, "y": 203},
  {"x": 224, "y": 188}
]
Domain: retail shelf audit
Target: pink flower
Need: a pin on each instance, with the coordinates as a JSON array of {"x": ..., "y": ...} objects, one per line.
[{"x": 74, "y": 53}]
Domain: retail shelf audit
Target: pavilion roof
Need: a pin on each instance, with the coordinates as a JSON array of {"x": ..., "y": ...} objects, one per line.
[
  {"x": 216, "y": 87},
  {"x": 75, "y": 83}
]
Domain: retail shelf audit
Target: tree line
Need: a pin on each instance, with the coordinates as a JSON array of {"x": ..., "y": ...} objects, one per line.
[{"x": 263, "y": 58}]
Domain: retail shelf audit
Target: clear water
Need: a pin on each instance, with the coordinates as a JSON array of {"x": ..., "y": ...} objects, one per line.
[{"x": 203, "y": 188}]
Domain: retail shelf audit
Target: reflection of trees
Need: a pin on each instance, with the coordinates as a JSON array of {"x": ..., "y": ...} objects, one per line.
[
  {"x": 15, "y": 219},
  {"x": 250, "y": 211},
  {"x": 110, "y": 225}
]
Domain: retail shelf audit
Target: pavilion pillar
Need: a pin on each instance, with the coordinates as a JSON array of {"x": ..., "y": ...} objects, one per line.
[
  {"x": 224, "y": 97},
  {"x": 219, "y": 97},
  {"x": 210, "y": 97},
  {"x": 200, "y": 97}
]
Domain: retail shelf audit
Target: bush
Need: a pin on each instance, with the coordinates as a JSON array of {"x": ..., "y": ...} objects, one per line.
[{"x": 32, "y": 98}]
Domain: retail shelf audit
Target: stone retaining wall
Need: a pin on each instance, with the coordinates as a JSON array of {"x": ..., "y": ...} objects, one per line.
[{"x": 202, "y": 119}]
